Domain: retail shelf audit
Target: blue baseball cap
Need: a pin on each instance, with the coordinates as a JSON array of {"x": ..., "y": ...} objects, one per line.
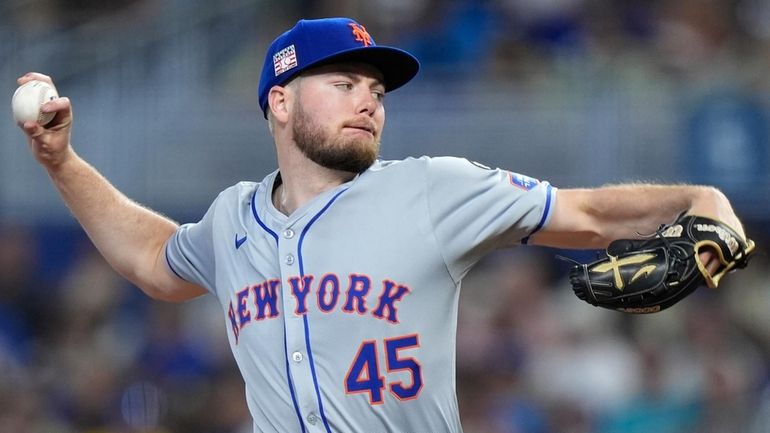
[{"x": 316, "y": 42}]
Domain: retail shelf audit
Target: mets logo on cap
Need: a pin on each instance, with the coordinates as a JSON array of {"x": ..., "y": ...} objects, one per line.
[{"x": 361, "y": 35}]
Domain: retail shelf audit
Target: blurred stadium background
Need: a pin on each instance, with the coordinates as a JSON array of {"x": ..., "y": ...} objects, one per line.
[{"x": 577, "y": 92}]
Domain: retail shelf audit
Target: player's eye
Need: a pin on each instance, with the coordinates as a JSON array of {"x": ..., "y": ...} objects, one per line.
[
  {"x": 378, "y": 95},
  {"x": 344, "y": 86}
]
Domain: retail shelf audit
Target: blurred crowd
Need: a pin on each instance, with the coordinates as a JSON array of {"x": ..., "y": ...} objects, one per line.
[
  {"x": 532, "y": 39},
  {"x": 81, "y": 350},
  {"x": 502, "y": 39}
]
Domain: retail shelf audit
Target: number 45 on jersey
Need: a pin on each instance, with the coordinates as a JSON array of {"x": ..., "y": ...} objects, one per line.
[{"x": 364, "y": 374}]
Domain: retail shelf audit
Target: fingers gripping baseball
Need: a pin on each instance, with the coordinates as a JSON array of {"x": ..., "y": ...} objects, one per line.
[{"x": 50, "y": 144}]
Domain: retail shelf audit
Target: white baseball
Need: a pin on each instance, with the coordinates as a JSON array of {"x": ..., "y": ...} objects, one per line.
[{"x": 29, "y": 97}]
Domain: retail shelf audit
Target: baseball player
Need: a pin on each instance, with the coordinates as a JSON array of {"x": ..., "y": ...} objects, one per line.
[{"x": 338, "y": 274}]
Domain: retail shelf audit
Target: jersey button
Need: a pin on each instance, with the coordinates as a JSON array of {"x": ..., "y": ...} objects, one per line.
[
  {"x": 288, "y": 233},
  {"x": 290, "y": 259},
  {"x": 312, "y": 418},
  {"x": 297, "y": 357}
]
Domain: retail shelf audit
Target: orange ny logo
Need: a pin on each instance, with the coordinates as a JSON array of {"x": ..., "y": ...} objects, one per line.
[{"x": 361, "y": 34}]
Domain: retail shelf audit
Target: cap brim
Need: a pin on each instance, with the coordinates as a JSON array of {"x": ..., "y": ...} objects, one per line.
[{"x": 398, "y": 67}]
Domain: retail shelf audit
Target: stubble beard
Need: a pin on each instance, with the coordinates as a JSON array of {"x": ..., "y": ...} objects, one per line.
[{"x": 336, "y": 153}]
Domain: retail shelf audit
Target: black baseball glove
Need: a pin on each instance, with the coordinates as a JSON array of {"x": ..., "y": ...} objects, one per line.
[{"x": 650, "y": 275}]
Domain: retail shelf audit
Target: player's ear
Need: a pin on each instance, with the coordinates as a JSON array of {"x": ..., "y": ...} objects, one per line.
[{"x": 278, "y": 100}]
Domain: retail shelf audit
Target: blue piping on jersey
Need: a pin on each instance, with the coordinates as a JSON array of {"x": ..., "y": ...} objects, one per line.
[
  {"x": 259, "y": 221},
  {"x": 285, "y": 343},
  {"x": 291, "y": 384},
  {"x": 307, "y": 327},
  {"x": 546, "y": 211},
  {"x": 170, "y": 266}
]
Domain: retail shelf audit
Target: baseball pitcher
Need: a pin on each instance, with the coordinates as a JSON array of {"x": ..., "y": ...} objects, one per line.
[{"x": 338, "y": 274}]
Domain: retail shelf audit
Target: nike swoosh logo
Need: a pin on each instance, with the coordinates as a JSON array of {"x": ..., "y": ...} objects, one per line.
[{"x": 239, "y": 242}]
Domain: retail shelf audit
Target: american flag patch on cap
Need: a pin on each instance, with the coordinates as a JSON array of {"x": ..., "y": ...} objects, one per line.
[{"x": 284, "y": 60}]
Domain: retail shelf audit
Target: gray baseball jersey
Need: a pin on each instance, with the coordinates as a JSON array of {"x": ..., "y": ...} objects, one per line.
[{"x": 342, "y": 316}]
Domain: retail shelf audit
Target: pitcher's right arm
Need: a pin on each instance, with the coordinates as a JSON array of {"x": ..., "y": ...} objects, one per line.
[{"x": 131, "y": 237}]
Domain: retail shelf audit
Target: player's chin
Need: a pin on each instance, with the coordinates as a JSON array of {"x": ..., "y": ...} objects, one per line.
[
  {"x": 348, "y": 165},
  {"x": 354, "y": 157}
]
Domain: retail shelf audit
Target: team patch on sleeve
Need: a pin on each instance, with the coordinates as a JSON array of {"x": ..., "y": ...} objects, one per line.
[{"x": 521, "y": 181}]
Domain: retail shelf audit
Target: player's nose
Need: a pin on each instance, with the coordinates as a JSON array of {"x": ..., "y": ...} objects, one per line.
[{"x": 367, "y": 102}]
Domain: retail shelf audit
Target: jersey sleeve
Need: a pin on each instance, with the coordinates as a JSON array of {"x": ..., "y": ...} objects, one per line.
[
  {"x": 475, "y": 209},
  {"x": 190, "y": 251}
]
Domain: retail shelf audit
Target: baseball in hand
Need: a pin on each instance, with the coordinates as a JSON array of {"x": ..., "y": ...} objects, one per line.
[{"x": 27, "y": 100}]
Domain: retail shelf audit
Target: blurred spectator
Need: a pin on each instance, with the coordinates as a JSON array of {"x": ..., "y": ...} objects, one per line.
[
  {"x": 19, "y": 287},
  {"x": 76, "y": 12},
  {"x": 454, "y": 36}
]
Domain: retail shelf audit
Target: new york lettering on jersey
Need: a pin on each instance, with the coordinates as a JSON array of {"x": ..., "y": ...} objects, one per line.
[{"x": 260, "y": 301}]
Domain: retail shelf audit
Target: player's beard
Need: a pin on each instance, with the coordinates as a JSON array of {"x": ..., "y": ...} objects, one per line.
[{"x": 337, "y": 153}]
